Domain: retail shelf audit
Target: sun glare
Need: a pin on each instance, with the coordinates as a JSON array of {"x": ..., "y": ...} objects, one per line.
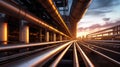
[{"x": 81, "y": 34}]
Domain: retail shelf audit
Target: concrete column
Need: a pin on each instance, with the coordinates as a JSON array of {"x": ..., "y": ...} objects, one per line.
[
  {"x": 73, "y": 29},
  {"x": 24, "y": 32},
  {"x": 47, "y": 36},
  {"x": 40, "y": 35},
  {"x": 102, "y": 35},
  {"x": 3, "y": 29},
  {"x": 65, "y": 38},
  {"x": 117, "y": 30},
  {"x": 50, "y": 36},
  {"x": 60, "y": 37},
  {"x": 54, "y": 36}
]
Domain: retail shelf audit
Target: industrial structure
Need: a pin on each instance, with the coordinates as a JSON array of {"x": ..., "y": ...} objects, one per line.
[
  {"x": 42, "y": 33},
  {"x": 28, "y": 21}
]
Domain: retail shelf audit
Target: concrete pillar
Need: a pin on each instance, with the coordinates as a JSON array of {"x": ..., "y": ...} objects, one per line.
[
  {"x": 50, "y": 36},
  {"x": 101, "y": 35},
  {"x": 109, "y": 34},
  {"x": 65, "y": 38},
  {"x": 47, "y": 36},
  {"x": 24, "y": 32},
  {"x": 117, "y": 30},
  {"x": 54, "y": 36},
  {"x": 3, "y": 29},
  {"x": 74, "y": 29},
  {"x": 40, "y": 35},
  {"x": 60, "y": 37}
]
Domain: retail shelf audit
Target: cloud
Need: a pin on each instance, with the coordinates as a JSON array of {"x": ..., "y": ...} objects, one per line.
[
  {"x": 100, "y": 15},
  {"x": 97, "y": 4},
  {"x": 97, "y": 27},
  {"x": 98, "y": 12},
  {"x": 106, "y": 19},
  {"x": 101, "y": 7}
]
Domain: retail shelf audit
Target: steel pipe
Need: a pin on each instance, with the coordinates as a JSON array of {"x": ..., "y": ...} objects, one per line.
[
  {"x": 3, "y": 48},
  {"x": 87, "y": 61},
  {"x": 57, "y": 60},
  {"x": 103, "y": 55},
  {"x": 2, "y": 59},
  {"x": 75, "y": 56},
  {"x": 116, "y": 52},
  {"x": 41, "y": 59}
]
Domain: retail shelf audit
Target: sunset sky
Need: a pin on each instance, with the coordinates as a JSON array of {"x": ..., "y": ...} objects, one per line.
[{"x": 101, "y": 14}]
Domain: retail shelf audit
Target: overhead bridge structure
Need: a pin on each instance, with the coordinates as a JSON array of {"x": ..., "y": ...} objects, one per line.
[{"x": 42, "y": 33}]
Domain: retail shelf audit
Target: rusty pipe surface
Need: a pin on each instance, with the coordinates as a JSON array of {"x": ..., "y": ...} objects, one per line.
[
  {"x": 51, "y": 8},
  {"x": 27, "y": 16}
]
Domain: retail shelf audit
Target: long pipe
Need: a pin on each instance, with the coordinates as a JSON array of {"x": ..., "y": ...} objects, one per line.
[
  {"x": 2, "y": 59},
  {"x": 27, "y": 16},
  {"x": 75, "y": 56},
  {"x": 51, "y": 8},
  {"x": 57, "y": 60},
  {"x": 87, "y": 61},
  {"x": 45, "y": 56},
  {"x": 40, "y": 58},
  {"x": 101, "y": 54},
  {"x": 4, "y": 48}
]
